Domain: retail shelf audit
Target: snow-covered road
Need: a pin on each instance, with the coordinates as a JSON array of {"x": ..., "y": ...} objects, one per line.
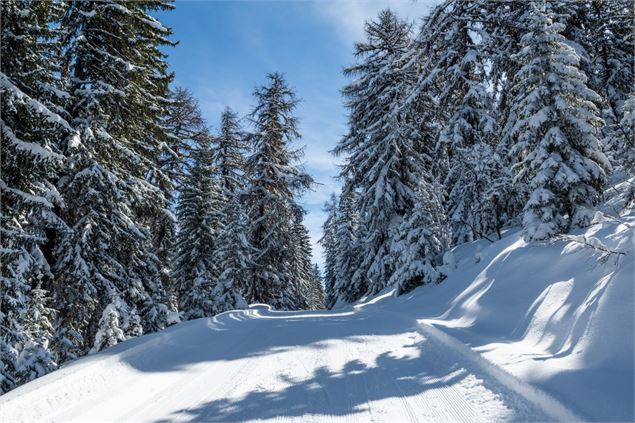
[{"x": 358, "y": 365}]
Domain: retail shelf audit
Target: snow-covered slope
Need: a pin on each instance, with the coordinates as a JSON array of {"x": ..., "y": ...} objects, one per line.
[
  {"x": 517, "y": 332},
  {"x": 557, "y": 315}
]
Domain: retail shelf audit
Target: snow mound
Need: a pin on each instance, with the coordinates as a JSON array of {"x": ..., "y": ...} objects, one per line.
[{"x": 557, "y": 315}]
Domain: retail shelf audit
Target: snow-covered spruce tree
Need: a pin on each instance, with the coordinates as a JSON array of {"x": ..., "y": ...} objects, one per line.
[
  {"x": 300, "y": 267},
  {"x": 501, "y": 26},
  {"x": 347, "y": 247},
  {"x": 552, "y": 132},
  {"x": 420, "y": 241},
  {"x": 316, "y": 298},
  {"x": 480, "y": 197},
  {"x": 628, "y": 127},
  {"x": 232, "y": 253},
  {"x": 614, "y": 43},
  {"x": 110, "y": 325},
  {"x": 384, "y": 144},
  {"x": 230, "y": 154},
  {"x": 328, "y": 241},
  {"x": 35, "y": 359},
  {"x": 232, "y": 256},
  {"x": 31, "y": 130},
  {"x": 116, "y": 76},
  {"x": 199, "y": 220},
  {"x": 622, "y": 195},
  {"x": 457, "y": 76},
  {"x": 185, "y": 127},
  {"x": 274, "y": 180},
  {"x": 147, "y": 108}
]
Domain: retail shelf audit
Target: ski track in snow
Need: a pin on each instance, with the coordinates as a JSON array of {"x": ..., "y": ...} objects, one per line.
[{"x": 262, "y": 365}]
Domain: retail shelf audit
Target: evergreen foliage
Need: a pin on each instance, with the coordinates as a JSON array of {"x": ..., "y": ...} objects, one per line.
[
  {"x": 111, "y": 183},
  {"x": 553, "y": 132},
  {"x": 119, "y": 207},
  {"x": 198, "y": 214},
  {"x": 383, "y": 160},
  {"x": 274, "y": 180},
  {"x": 31, "y": 130}
]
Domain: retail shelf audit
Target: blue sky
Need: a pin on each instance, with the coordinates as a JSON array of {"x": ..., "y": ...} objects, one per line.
[{"x": 227, "y": 47}]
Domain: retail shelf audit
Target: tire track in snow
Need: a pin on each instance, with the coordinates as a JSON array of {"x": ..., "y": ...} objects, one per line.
[
  {"x": 189, "y": 386},
  {"x": 165, "y": 395},
  {"x": 411, "y": 415}
]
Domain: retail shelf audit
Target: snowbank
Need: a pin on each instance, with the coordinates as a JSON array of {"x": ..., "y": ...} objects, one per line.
[{"x": 558, "y": 315}]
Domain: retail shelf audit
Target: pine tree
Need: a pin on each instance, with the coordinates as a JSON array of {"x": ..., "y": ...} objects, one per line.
[
  {"x": 614, "y": 44},
  {"x": 110, "y": 330},
  {"x": 602, "y": 35},
  {"x": 328, "y": 241},
  {"x": 420, "y": 241},
  {"x": 552, "y": 132},
  {"x": 231, "y": 148},
  {"x": 35, "y": 358},
  {"x": 622, "y": 195},
  {"x": 347, "y": 247},
  {"x": 233, "y": 251},
  {"x": 316, "y": 297},
  {"x": 385, "y": 143},
  {"x": 111, "y": 182},
  {"x": 233, "y": 256},
  {"x": 31, "y": 130},
  {"x": 150, "y": 98},
  {"x": 185, "y": 128},
  {"x": 274, "y": 179},
  {"x": 480, "y": 195},
  {"x": 199, "y": 219},
  {"x": 300, "y": 268},
  {"x": 628, "y": 127},
  {"x": 469, "y": 127}
]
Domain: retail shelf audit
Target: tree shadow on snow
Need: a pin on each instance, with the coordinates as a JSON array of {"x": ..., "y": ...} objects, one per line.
[{"x": 332, "y": 393}]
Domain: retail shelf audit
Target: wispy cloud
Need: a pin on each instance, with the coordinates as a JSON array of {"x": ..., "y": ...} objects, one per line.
[
  {"x": 348, "y": 16},
  {"x": 214, "y": 100}
]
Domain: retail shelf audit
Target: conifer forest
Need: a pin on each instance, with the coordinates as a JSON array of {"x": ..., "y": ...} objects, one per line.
[{"x": 124, "y": 211}]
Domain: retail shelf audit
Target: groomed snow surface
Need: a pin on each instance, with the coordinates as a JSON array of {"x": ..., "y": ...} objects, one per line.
[{"x": 519, "y": 332}]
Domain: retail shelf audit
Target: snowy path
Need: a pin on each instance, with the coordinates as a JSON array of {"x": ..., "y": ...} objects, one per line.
[{"x": 355, "y": 366}]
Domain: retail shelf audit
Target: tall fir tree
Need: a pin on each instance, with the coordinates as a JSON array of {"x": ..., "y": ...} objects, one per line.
[
  {"x": 186, "y": 129},
  {"x": 300, "y": 267},
  {"x": 274, "y": 180},
  {"x": 112, "y": 183},
  {"x": 316, "y": 297},
  {"x": 31, "y": 130},
  {"x": 602, "y": 35},
  {"x": 233, "y": 256},
  {"x": 420, "y": 241},
  {"x": 328, "y": 242},
  {"x": 347, "y": 247},
  {"x": 233, "y": 250},
  {"x": 552, "y": 132},
  {"x": 386, "y": 143},
  {"x": 199, "y": 219},
  {"x": 458, "y": 69}
]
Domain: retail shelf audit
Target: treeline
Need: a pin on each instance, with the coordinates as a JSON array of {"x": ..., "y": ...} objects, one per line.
[
  {"x": 121, "y": 211},
  {"x": 494, "y": 114}
]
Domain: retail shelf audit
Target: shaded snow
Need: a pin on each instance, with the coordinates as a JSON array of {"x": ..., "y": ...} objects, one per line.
[{"x": 557, "y": 315}]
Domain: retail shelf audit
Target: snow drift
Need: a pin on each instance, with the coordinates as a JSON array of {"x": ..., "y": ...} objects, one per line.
[{"x": 558, "y": 315}]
